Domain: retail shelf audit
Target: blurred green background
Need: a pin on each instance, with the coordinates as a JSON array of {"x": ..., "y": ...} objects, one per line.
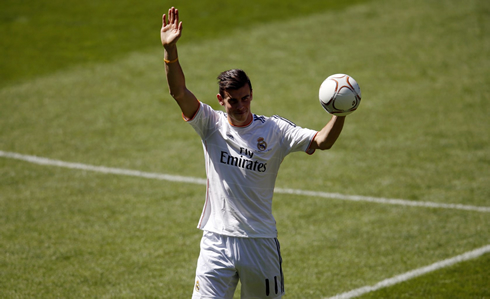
[{"x": 84, "y": 82}]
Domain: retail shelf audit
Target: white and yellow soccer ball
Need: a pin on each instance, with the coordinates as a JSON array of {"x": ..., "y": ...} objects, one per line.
[{"x": 340, "y": 94}]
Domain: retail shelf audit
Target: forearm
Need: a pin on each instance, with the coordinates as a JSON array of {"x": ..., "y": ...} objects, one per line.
[
  {"x": 176, "y": 82},
  {"x": 174, "y": 72},
  {"x": 326, "y": 138},
  {"x": 169, "y": 35}
]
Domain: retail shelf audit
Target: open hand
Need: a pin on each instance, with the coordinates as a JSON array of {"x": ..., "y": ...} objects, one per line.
[{"x": 171, "y": 31}]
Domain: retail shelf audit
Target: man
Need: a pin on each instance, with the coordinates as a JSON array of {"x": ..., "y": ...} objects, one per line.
[{"x": 243, "y": 152}]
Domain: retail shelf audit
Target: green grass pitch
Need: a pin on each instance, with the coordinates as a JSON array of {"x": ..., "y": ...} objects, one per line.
[{"x": 84, "y": 82}]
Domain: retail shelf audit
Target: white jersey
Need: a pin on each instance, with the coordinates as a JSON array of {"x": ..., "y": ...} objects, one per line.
[{"x": 241, "y": 167}]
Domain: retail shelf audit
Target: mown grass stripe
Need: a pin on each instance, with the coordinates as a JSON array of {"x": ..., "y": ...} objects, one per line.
[{"x": 200, "y": 181}]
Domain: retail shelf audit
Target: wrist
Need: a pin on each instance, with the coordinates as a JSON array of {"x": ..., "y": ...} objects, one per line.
[
  {"x": 170, "y": 47},
  {"x": 169, "y": 61},
  {"x": 171, "y": 54}
]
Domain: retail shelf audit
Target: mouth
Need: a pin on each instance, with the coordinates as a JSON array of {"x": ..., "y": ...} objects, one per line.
[{"x": 241, "y": 112}]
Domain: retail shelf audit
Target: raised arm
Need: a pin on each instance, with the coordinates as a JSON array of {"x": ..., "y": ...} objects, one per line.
[
  {"x": 169, "y": 35},
  {"x": 326, "y": 138}
]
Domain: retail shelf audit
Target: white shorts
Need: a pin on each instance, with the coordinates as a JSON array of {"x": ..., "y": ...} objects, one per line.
[{"x": 224, "y": 260}]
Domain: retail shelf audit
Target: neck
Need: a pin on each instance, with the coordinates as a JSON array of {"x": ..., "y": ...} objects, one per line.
[{"x": 245, "y": 123}]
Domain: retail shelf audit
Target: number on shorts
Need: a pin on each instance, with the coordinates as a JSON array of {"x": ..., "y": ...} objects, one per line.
[{"x": 267, "y": 286}]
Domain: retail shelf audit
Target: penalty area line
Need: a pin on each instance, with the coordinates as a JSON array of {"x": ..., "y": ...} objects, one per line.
[
  {"x": 200, "y": 181},
  {"x": 414, "y": 273}
]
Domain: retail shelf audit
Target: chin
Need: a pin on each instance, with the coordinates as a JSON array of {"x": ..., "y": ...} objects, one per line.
[{"x": 241, "y": 118}]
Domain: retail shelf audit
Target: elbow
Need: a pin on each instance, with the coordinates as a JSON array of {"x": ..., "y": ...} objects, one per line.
[
  {"x": 322, "y": 143},
  {"x": 326, "y": 146},
  {"x": 327, "y": 143},
  {"x": 177, "y": 94},
  {"x": 322, "y": 146}
]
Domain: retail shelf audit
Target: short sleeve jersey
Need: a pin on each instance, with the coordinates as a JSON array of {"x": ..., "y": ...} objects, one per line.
[{"x": 241, "y": 167}]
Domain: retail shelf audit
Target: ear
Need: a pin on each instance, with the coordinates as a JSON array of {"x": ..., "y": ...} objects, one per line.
[{"x": 220, "y": 99}]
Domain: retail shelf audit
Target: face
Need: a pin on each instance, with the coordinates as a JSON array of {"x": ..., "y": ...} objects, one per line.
[{"x": 237, "y": 105}]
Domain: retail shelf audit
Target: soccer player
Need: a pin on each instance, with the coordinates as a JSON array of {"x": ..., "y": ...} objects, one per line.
[{"x": 243, "y": 152}]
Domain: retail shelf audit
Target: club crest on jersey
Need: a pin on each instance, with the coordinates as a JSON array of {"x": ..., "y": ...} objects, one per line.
[
  {"x": 261, "y": 144},
  {"x": 197, "y": 285}
]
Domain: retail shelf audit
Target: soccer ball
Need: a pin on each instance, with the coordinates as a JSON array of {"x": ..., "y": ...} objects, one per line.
[{"x": 340, "y": 94}]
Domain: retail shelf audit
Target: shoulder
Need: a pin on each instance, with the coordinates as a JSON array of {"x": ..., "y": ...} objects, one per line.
[
  {"x": 260, "y": 118},
  {"x": 206, "y": 111},
  {"x": 275, "y": 119},
  {"x": 275, "y": 122},
  {"x": 282, "y": 121}
]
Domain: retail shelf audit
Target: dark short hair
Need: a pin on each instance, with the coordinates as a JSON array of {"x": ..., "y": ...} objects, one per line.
[{"x": 232, "y": 79}]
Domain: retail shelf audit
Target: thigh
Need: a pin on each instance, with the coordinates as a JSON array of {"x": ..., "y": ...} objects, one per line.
[
  {"x": 216, "y": 276},
  {"x": 260, "y": 268}
]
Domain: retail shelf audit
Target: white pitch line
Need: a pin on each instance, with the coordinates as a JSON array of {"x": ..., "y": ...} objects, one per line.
[
  {"x": 193, "y": 180},
  {"x": 103, "y": 169},
  {"x": 391, "y": 201},
  {"x": 414, "y": 273}
]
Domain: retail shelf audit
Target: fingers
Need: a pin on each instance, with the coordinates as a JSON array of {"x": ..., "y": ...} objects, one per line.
[
  {"x": 173, "y": 18},
  {"x": 170, "y": 15}
]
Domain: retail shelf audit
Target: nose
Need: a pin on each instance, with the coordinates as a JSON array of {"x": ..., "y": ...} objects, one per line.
[{"x": 240, "y": 106}]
